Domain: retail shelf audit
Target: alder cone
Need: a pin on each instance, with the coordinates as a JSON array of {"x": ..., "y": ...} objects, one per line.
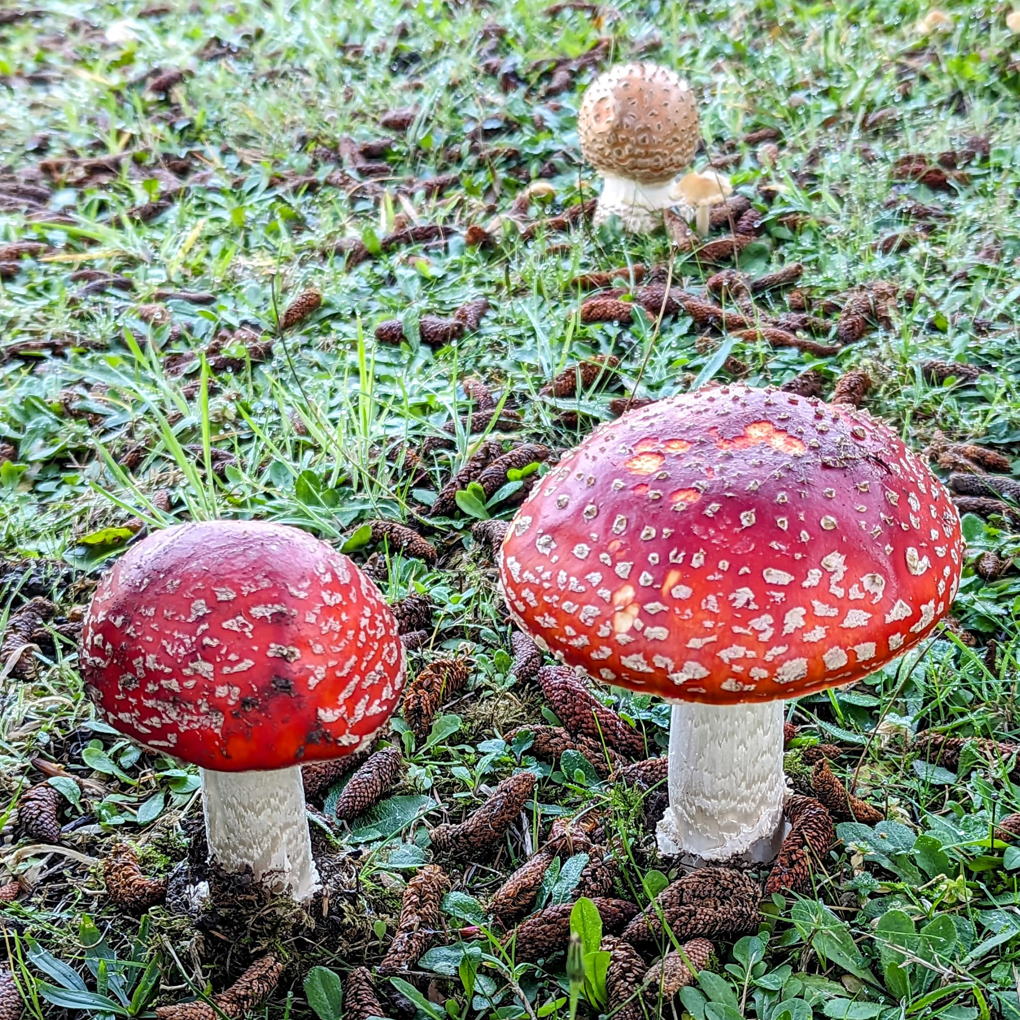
[
  {"x": 851, "y": 388},
  {"x": 1008, "y": 829},
  {"x": 436, "y": 331},
  {"x": 11, "y": 1004},
  {"x": 493, "y": 477},
  {"x": 572, "y": 835},
  {"x": 623, "y": 979},
  {"x": 413, "y": 612},
  {"x": 406, "y": 539},
  {"x": 990, "y": 460},
  {"x": 945, "y": 751},
  {"x": 480, "y": 421},
  {"x": 478, "y": 391},
  {"x": 704, "y": 313},
  {"x": 548, "y": 931},
  {"x": 126, "y": 886},
  {"x": 419, "y": 925},
  {"x": 255, "y": 985},
  {"x": 598, "y": 874},
  {"x": 985, "y": 485},
  {"x": 656, "y": 300},
  {"x": 10, "y": 892},
  {"x": 518, "y": 892},
  {"x": 601, "y": 279},
  {"x": 789, "y": 732},
  {"x": 39, "y": 813},
  {"x": 813, "y": 755},
  {"x": 19, "y": 249},
  {"x": 446, "y": 502},
  {"x": 527, "y": 657},
  {"x": 809, "y": 839},
  {"x": 709, "y": 903},
  {"x": 360, "y": 1001},
  {"x": 749, "y": 224},
  {"x": 429, "y": 689},
  {"x": 989, "y": 566},
  {"x": 940, "y": 371},
  {"x": 390, "y": 332},
  {"x": 300, "y": 308},
  {"x": 841, "y": 804},
  {"x": 415, "y": 639},
  {"x": 581, "y": 376},
  {"x": 644, "y": 774},
  {"x": 785, "y": 277},
  {"x": 606, "y": 309},
  {"x": 724, "y": 248},
  {"x": 671, "y": 973},
  {"x": 490, "y": 533},
  {"x": 729, "y": 211},
  {"x": 377, "y": 776},
  {"x": 320, "y": 775},
  {"x": 808, "y": 384},
  {"x": 582, "y": 713},
  {"x": 985, "y": 507},
  {"x": 781, "y": 338},
  {"x": 487, "y": 827},
  {"x": 621, "y": 405},
  {"x": 21, "y": 625},
  {"x": 471, "y": 314}
]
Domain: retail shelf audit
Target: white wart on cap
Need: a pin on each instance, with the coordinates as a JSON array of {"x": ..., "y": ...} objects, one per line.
[{"x": 638, "y": 127}]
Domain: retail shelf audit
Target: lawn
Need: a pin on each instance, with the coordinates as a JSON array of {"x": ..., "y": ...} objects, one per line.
[{"x": 305, "y": 262}]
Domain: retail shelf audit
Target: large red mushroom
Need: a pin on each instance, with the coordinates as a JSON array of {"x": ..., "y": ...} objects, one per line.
[
  {"x": 245, "y": 648},
  {"x": 728, "y": 549}
]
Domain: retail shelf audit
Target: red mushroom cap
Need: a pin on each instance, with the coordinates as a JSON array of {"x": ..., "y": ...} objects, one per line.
[
  {"x": 734, "y": 545},
  {"x": 242, "y": 645}
]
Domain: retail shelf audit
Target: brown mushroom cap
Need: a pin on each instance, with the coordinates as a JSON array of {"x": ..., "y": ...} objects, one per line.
[{"x": 640, "y": 122}]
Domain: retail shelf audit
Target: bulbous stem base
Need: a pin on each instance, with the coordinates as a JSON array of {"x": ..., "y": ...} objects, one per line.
[{"x": 637, "y": 204}]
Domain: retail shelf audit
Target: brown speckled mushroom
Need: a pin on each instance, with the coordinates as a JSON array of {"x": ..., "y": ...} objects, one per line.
[
  {"x": 728, "y": 549},
  {"x": 638, "y": 127},
  {"x": 245, "y": 648}
]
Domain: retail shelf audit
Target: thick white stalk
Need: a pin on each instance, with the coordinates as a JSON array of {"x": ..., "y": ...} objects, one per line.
[
  {"x": 638, "y": 204},
  {"x": 257, "y": 819},
  {"x": 726, "y": 782}
]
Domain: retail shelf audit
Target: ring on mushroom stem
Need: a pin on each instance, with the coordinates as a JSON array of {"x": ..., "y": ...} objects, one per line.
[
  {"x": 245, "y": 648},
  {"x": 729, "y": 549},
  {"x": 638, "y": 127}
]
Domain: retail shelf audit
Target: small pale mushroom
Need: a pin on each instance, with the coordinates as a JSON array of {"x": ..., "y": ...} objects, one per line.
[
  {"x": 248, "y": 649},
  {"x": 638, "y": 127},
  {"x": 698, "y": 192},
  {"x": 1013, "y": 21},
  {"x": 726, "y": 550},
  {"x": 934, "y": 21}
]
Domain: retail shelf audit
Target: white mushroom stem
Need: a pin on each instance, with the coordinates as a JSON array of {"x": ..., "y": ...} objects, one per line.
[
  {"x": 257, "y": 820},
  {"x": 638, "y": 205},
  {"x": 704, "y": 218},
  {"x": 726, "y": 782}
]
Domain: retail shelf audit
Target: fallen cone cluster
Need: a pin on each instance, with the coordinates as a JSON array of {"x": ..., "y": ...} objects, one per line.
[
  {"x": 420, "y": 925},
  {"x": 433, "y": 685},
  {"x": 487, "y": 827}
]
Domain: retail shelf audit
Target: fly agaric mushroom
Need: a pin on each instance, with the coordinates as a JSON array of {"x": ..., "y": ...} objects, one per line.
[
  {"x": 638, "y": 127},
  {"x": 697, "y": 193},
  {"x": 245, "y": 648},
  {"x": 728, "y": 549}
]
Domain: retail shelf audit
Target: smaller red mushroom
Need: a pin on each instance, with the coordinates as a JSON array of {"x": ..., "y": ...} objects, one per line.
[{"x": 245, "y": 648}]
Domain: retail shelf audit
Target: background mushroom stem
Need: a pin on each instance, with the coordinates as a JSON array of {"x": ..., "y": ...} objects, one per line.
[
  {"x": 638, "y": 204},
  {"x": 726, "y": 782},
  {"x": 257, "y": 819}
]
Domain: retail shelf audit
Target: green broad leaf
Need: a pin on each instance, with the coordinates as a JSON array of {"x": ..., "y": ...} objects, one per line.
[
  {"x": 150, "y": 809},
  {"x": 573, "y": 762},
  {"x": 1011, "y": 858},
  {"x": 445, "y": 960},
  {"x": 370, "y": 239},
  {"x": 385, "y": 819},
  {"x": 586, "y": 923},
  {"x": 107, "y": 536},
  {"x": 722, "y": 1011},
  {"x": 792, "y": 1009},
  {"x": 78, "y": 998},
  {"x": 67, "y": 977},
  {"x": 896, "y": 936},
  {"x": 937, "y": 939},
  {"x": 471, "y": 505},
  {"x": 409, "y": 991},
  {"x": 845, "y": 1009},
  {"x": 694, "y": 1002},
  {"x": 714, "y": 363},
  {"x": 358, "y": 539},
  {"x": 570, "y": 875},
  {"x": 465, "y": 907},
  {"x": 445, "y": 726},
  {"x": 717, "y": 988},
  {"x": 935, "y": 775},
  {"x": 405, "y": 855},
  {"x": 931, "y": 858},
  {"x": 503, "y": 492},
  {"x": 518, "y": 474},
  {"x": 596, "y": 969},
  {"x": 99, "y": 761},
  {"x": 68, "y": 788},
  {"x": 654, "y": 882},
  {"x": 325, "y": 994},
  {"x": 830, "y": 938}
]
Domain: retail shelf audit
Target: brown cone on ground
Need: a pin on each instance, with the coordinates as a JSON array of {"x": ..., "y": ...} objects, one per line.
[
  {"x": 1008, "y": 829},
  {"x": 623, "y": 979},
  {"x": 994, "y": 486},
  {"x": 300, "y": 308},
  {"x": 548, "y": 931},
  {"x": 989, "y": 566},
  {"x": 789, "y": 732},
  {"x": 413, "y": 612},
  {"x": 126, "y": 886},
  {"x": 709, "y": 903},
  {"x": 603, "y": 279},
  {"x": 17, "y": 638},
  {"x": 252, "y": 988},
  {"x": 808, "y": 384},
  {"x": 493, "y": 477},
  {"x": 664, "y": 979},
  {"x": 984, "y": 507},
  {"x": 518, "y": 892},
  {"x": 433, "y": 685},
  {"x": 851, "y": 388},
  {"x": 490, "y": 533},
  {"x": 813, "y": 755},
  {"x": 808, "y": 841},
  {"x": 645, "y": 774},
  {"x": 581, "y": 712},
  {"x": 446, "y": 502},
  {"x": 599, "y": 874},
  {"x": 841, "y": 804},
  {"x": 406, "y": 539},
  {"x": 946, "y": 751},
  {"x": 376, "y": 777},
  {"x": 549, "y": 742},
  {"x": 12, "y": 1006},
  {"x": 478, "y": 391},
  {"x": 990, "y": 460},
  {"x": 320, "y": 775},
  {"x": 527, "y": 657},
  {"x": 9, "y": 892},
  {"x": 39, "y": 813},
  {"x": 419, "y": 926},
  {"x": 782, "y": 338},
  {"x": 487, "y": 827},
  {"x": 472, "y": 312},
  {"x": 360, "y": 1000},
  {"x": 940, "y": 371},
  {"x": 580, "y": 377},
  {"x": 600, "y": 308}
]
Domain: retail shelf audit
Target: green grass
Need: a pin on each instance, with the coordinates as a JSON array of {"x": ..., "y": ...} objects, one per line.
[{"x": 850, "y": 89}]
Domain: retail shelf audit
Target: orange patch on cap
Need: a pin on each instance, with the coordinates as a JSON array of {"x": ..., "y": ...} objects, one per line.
[
  {"x": 624, "y": 619},
  {"x": 645, "y": 463},
  {"x": 685, "y": 496},
  {"x": 677, "y": 445},
  {"x": 623, "y": 595},
  {"x": 672, "y": 580},
  {"x": 760, "y": 432}
]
